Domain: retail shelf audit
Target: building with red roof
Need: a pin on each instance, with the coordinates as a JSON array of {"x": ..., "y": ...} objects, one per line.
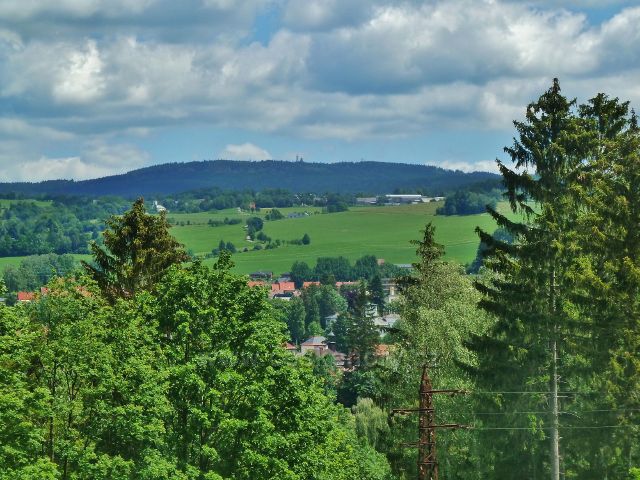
[
  {"x": 26, "y": 296},
  {"x": 281, "y": 287}
]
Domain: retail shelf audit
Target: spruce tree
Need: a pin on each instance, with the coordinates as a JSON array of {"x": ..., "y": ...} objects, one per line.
[
  {"x": 528, "y": 348},
  {"x": 138, "y": 250},
  {"x": 607, "y": 290}
]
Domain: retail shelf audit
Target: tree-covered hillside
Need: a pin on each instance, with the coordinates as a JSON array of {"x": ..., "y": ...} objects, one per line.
[{"x": 367, "y": 177}]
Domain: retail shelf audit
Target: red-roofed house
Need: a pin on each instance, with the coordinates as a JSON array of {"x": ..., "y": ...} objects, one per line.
[
  {"x": 256, "y": 284},
  {"x": 26, "y": 296},
  {"x": 282, "y": 287},
  {"x": 308, "y": 284},
  {"x": 339, "y": 284}
]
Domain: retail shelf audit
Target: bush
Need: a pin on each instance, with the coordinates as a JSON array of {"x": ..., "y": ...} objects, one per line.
[{"x": 274, "y": 214}]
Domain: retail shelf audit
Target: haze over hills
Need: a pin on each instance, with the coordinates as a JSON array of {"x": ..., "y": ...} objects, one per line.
[{"x": 359, "y": 177}]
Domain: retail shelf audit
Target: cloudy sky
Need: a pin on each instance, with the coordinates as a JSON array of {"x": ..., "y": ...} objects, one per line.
[{"x": 95, "y": 87}]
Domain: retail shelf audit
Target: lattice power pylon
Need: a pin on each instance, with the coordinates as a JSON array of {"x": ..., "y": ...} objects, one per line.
[{"x": 427, "y": 458}]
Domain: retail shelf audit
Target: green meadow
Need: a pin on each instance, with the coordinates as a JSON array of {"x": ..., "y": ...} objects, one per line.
[
  {"x": 15, "y": 261},
  {"x": 385, "y": 232}
]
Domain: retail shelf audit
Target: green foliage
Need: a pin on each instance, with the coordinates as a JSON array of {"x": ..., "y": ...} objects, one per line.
[
  {"x": 464, "y": 202},
  {"x": 559, "y": 286},
  {"x": 138, "y": 250},
  {"x": 500, "y": 235},
  {"x": 376, "y": 292},
  {"x": 30, "y": 229},
  {"x": 188, "y": 382},
  {"x": 366, "y": 267},
  {"x": 337, "y": 267},
  {"x": 295, "y": 319},
  {"x": 371, "y": 422},
  {"x": 361, "y": 333},
  {"x": 306, "y": 240},
  {"x": 324, "y": 369},
  {"x": 254, "y": 224},
  {"x": 438, "y": 317},
  {"x": 36, "y": 271},
  {"x": 274, "y": 214},
  {"x": 300, "y": 272}
]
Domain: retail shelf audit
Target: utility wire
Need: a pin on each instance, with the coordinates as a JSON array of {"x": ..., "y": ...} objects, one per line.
[
  {"x": 527, "y": 392},
  {"x": 568, "y": 412},
  {"x": 561, "y": 427}
]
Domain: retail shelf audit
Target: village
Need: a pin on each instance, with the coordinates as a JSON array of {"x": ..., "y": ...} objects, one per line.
[{"x": 284, "y": 289}]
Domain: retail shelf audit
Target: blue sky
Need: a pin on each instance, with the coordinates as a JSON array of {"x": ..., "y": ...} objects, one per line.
[{"x": 96, "y": 87}]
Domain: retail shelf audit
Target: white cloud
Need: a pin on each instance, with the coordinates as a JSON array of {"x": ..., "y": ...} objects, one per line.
[
  {"x": 305, "y": 15},
  {"x": 11, "y": 127},
  {"x": 24, "y": 9},
  {"x": 347, "y": 70},
  {"x": 97, "y": 159},
  {"x": 80, "y": 80},
  {"x": 244, "y": 151},
  {"x": 464, "y": 166}
]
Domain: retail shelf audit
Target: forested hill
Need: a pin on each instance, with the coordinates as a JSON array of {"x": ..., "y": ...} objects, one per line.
[{"x": 365, "y": 177}]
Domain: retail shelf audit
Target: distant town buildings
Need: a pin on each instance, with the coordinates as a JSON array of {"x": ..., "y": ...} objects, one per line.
[
  {"x": 397, "y": 199},
  {"x": 159, "y": 208}
]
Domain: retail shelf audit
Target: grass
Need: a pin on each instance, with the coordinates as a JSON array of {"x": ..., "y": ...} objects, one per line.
[
  {"x": 15, "y": 261},
  {"x": 385, "y": 232},
  {"x": 202, "y": 218},
  {"x": 381, "y": 231}
]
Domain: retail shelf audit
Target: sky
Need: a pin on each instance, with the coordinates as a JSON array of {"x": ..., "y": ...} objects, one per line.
[{"x": 90, "y": 88}]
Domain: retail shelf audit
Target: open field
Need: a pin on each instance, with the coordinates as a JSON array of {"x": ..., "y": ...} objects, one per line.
[
  {"x": 381, "y": 231},
  {"x": 202, "y": 218},
  {"x": 15, "y": 261}
]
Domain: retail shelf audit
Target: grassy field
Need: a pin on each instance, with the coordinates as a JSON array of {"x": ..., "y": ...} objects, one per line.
[
  {"x": 381, "y": 231},
  {"x": 15, "y": 261},
  {"x": 202, "y": 218}
]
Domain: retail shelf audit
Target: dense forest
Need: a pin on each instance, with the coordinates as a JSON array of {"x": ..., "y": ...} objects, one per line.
[
  {"x": 208, "y": 199},
  {"x": 61, "y": 225},
  {"x": 367, "y": 177},
  {"x": 142, "y": 366}
]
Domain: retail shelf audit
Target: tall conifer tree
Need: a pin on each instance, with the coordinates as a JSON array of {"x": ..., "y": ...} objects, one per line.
[
  {"x": 528, "y": 292},
  {"x": 139, "y": 249}
]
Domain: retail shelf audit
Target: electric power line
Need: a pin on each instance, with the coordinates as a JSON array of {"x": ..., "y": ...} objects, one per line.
[
  {"x": 588, "y": 427},
  {"x": 568, "y": 412}
]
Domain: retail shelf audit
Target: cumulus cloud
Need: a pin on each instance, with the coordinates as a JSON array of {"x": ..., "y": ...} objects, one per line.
[
  {"x": 97, "y": 159},
  {"x": 244, "y": 151},
  {"x": 80, "y": 79},
  {"x": 317, "y": 15},
  {"x": 464, "y": 166},
  {"x": 330, "y": 69}
]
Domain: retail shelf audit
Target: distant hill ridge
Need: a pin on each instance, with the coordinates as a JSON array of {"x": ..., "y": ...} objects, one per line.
[{"x": 344, "y": 177}]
